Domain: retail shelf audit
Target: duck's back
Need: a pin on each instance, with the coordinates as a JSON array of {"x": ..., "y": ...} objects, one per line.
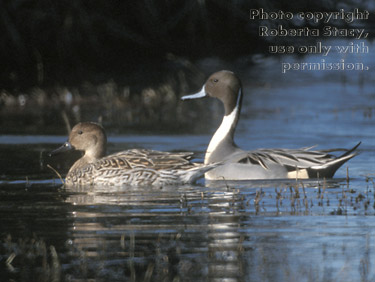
[{"x": 134, "y": 167}]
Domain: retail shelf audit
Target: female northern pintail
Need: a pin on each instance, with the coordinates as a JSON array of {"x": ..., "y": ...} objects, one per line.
[
  {"x": 263, "y": 163},
  {"x": 133, "y": 167}
]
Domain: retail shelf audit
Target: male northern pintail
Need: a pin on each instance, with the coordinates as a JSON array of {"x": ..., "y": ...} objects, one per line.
[
  {"x": 133, "y": 167},
  {"x": 263, "y": 163}
]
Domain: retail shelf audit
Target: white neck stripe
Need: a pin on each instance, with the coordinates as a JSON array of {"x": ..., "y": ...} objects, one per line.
[{"x": 224, "y": 129}]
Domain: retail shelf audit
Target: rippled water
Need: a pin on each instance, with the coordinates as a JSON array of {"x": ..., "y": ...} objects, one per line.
[{"x": 314, "y": 230}]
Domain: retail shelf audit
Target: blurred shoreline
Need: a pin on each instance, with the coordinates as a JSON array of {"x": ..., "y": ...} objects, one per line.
[{"x": 127, "y": 65}]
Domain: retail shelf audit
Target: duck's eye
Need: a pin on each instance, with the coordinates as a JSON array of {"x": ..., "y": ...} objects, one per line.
[
  {"x": 80, "y": 132},
  {"x": 215, "y": 80}
]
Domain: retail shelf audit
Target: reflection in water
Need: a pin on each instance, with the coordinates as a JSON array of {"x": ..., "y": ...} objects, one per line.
[
  {"x": 198, "y": 232},
  {"x": 317, "y": 230},
  {"x": 169, "y": 234}
]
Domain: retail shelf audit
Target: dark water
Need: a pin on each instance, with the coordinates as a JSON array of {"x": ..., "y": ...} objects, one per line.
[{"x": 234, "y": 231}]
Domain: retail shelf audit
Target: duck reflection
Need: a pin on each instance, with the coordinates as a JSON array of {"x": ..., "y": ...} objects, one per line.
[
  {"x": 167, "y": 233},
  {"x": 210, "y": 232}
]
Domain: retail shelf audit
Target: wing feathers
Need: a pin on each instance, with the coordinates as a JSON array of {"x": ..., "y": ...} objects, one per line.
[{"x": 297, "y": 158}]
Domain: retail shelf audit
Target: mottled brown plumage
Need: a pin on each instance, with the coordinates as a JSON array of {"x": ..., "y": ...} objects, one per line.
[{"x": 133, "y": 167}]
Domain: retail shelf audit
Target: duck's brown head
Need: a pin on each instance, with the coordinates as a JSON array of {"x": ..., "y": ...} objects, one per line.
[
  {"x": 223, "y": 85},
  {"x": 88, "y": 137}
]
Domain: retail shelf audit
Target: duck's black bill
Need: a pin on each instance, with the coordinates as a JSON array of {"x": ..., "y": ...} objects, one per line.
[
  {"x": 200, "y": 94},
  {"x": 64, "y": 148}
]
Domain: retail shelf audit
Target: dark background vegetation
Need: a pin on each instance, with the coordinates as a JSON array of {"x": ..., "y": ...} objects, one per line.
[{"x": 125, "y": 63}]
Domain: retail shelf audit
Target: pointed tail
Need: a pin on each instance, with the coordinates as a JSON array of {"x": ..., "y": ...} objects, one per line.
[
  {"x": 193, "y": 174},
  {"x": 328, "y": 169}
]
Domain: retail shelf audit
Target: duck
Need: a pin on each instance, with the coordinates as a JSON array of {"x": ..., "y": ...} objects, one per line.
[
  {"x": 238, "y": 164},
  {"x": 138, "y": 167}
]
